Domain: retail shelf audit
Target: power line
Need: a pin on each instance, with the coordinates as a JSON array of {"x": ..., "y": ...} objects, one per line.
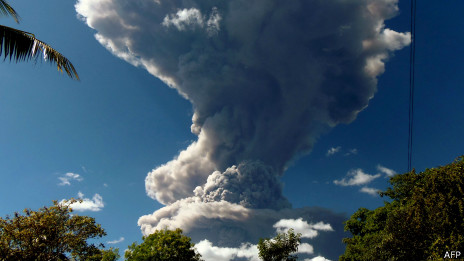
[{"x": 412, "y": 58}]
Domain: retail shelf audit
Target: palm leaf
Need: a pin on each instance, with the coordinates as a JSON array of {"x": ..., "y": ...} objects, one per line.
[
  {"x": 20, "y": 46},
  {"x": 6, "y": 9}
]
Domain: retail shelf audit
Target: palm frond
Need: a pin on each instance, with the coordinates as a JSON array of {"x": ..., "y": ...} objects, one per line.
[
  {"x": 6, "y": 9},
  {"x": 20, "y": 46}
]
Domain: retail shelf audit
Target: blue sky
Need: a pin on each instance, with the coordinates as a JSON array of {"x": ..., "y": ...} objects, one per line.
[{"x": 119, "y": 123}]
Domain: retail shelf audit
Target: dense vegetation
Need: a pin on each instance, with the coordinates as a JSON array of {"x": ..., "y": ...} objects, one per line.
[
  {"x": 55, "y": 233},
  {"x": 280, "y": 248},
  {"x": 423, "y": 220},
  {"x": 163, "y": 245},
  {"x": 19, "y": 45},
  {"x": 52, "y": 233}
]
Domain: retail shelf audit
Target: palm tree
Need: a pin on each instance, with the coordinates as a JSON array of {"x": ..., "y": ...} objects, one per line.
[{"x": 20, "y": 46}]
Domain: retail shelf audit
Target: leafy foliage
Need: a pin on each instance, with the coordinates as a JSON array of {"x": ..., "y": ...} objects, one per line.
[
  {"x": 51, "y": 233},
  {"x": 111, "y": 254},
  {"x": 424, "y": 219},
  {"x": 6, "y": 9},
  {"x": 20, "y": 46},
  {"x": 280, "y": 247},
  {"x": 163, "y": 245}
]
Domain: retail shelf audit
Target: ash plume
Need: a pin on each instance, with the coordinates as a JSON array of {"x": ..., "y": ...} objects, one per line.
[{"x": 265, "y": 78}]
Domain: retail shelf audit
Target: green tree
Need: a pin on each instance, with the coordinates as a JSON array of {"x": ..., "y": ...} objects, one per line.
[
  {"x": 19, "y": 45},
  {"x": 279, "y": 248},
  {"x": 169, "y": 245},
  {"x": 423, "y": 220},
  {"x": 51, "y": 233},
  {"x": 112, "y": 254}
]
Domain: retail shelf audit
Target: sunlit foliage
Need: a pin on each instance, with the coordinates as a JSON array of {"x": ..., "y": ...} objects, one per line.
[
  {"x": 52, "y": 233},
  {"x": 163, "y": 245},
  {"x": 279, "y": 248},
  {"x": 423, "y": 221},
  {"x": 20, "y": 46}
]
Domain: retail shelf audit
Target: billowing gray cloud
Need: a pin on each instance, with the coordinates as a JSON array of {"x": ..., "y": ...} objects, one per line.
[
  {"x": 265, "y": 79},
  {"x": 209, "y": 252},
  {"x": 230, "y": 225},
  {"x": 272, "y": 76},
  {"x": 251, "y": 184}
]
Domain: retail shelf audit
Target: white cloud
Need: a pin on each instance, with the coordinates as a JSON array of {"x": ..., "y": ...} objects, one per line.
[
  {"x": 228, "y": 224},
  {"x": 94, "y": 204},
  {"x": 305, "y": 248},
  {"x": 213, "y": 22},
  {"x": 322, "y": 226},
  {"x": 68, "y": 177},
  {"x": 121, "y": 239},
  {"x": 386, "y": 171},
  {"x": 190, "y": 212},
  {"x": 352, "y": 152},
  {"x": 332, "y": 151},
  {"x": 370, "y": 191},
  {"x": 386, "y": 40},
  {"x": 300, "y": 226},
  {"x": 179, "y": 177},
  {"x": 190, "y": 18},
  {"x": 213, "y": 253},
  {"x": 394, "y": 40},
  {"x": 356, "y": 177},
  {"x": 317, "y": 258},
  {"x": 184, "y": 19},
  {"x": 249, "y": 251}
]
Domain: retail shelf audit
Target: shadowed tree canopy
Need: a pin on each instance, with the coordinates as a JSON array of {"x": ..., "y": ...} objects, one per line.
[
  {"x": 169, "y": 245},
  {"x": 423, "y": 221},
  {"x": 52, "y": 233},
  {"x": 279, "y": 248},
  {"x": 20, "y": 46}
]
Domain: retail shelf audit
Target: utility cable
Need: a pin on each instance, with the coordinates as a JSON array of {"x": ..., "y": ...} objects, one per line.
[{"x": 412, "y": 56}]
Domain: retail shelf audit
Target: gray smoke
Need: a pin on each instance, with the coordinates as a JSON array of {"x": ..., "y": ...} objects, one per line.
[
  {"x": 251, "y": 184},
  {"x": 228, "y": 224},
  {"x": 265, "y": 79}
]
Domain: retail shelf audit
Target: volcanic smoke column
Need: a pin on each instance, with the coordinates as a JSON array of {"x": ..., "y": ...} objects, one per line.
[{"x": 265, "y": 79}]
